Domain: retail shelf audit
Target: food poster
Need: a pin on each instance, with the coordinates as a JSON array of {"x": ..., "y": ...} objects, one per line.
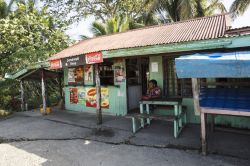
[
  {"x": 81, "y": 96},
  {"x": 119, "y": 71},
  {"x": 75, "y": 75},
  {"x": 88, "y": 74},
  {"x": 73, "y": 96},
  {"x": 119, "y": 74},
  {"x": 91, "y": 97}
]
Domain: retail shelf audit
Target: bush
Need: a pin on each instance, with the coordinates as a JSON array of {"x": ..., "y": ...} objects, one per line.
[
  {"x": 9, "y": 95},
  {"x": 10, "y": 98}
]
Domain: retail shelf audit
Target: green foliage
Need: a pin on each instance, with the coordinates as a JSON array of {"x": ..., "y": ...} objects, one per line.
[
  {"x": 3, "y": 9},
  {"x": 9, "y": 95},
  {"x": 28, "y": 35},
  {"x": 177, "y": 10},
  {"x": 114, "y": 25},
  {"x": 239, "y": 7},
  {"x": 102, "y": 10}
]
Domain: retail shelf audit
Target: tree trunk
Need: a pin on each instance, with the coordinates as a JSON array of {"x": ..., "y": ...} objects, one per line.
[{"x": 98, "y": 95}]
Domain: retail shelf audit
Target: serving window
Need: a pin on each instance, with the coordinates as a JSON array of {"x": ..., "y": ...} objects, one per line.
[
  {"x": 133, "y": 71},
  {"x": 175, "y": 87},
  {"x": 106, "y": 73}
]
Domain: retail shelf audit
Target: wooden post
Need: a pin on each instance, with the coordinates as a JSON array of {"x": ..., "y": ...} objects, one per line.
[
  {"x": 60, "y": 85},
  {"x": 22, "y": 95},
  {"x": 43, "y": 92},
  {"x": 195, "y": 89},
  {"x": 98, "y": 95},
  {"x": 203, "y": 134}
]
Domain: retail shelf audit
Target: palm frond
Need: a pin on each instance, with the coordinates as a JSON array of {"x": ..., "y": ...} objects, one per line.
[
  {"x": 111, "y": 26},
  {"x": 239, "y": 7},
  {"x": 98, "y": 29},
  {"x": 134, "y": 25},
  {"x": 215, "y": 5},
  {"x": 185, "y": 9},
  {"x": 124, "y": 25},
  {"x": 199, "y": 8},
  {"x": 84, "y": 37}
]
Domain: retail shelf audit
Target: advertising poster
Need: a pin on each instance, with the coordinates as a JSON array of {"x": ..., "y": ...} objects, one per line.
[
  {"x": 119, "y": 71},
  {"x": 55, "y": 64},
  {"x": 73, "y": 96},
  {"x": 88, "y": 74},
  {"x": 81, "y": 96},
  {"x": 119, "y": 74},
  {"x": 75, "y": 75},
  {"x": 91, "y": 97},
  {"x": 94, "y": 57}
]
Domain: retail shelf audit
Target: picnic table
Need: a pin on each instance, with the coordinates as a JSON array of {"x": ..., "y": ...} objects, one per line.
[{"x": 146, "y": 115}]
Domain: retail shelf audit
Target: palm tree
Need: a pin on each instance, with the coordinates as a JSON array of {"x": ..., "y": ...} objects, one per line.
[
  {"x": 207, "y": 8},
  {"x": 114, "y": 25},
  {"x": 239, "y": 7},
  {"x": 177, "y": 10}
]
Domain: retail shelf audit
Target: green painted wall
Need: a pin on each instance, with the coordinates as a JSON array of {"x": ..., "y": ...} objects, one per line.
[
  {"x": 117, "y": 102},
  {"x": 158, "y": 76},
  {"x": 117, "y": 98}
]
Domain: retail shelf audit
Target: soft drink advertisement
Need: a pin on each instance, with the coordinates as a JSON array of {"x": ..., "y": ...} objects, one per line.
[
  {"x": 73, "y": 96},
  {"x": 91, "y": 97}
]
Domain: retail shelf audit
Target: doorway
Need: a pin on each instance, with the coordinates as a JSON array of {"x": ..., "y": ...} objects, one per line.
[{"x": 137, "y": 70}]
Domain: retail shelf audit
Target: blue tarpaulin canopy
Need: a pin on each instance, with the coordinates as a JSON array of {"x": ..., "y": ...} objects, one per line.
[{"x": 215, "y": 65}]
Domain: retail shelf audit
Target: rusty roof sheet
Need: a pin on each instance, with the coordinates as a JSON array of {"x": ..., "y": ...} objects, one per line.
[
  {"x": 238, "y": 31},
  {"x": 190, "y": 30}
]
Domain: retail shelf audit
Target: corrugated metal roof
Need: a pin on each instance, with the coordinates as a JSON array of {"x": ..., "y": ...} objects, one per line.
[
  {"x": 184, "y": 31},
  {"x": 238, "y": 31}
]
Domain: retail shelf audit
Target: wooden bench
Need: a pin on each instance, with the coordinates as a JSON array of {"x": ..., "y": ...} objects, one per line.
[{"x": 179, "y": 120}]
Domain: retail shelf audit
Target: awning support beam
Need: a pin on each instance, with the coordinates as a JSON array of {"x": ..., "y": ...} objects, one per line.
[
  {"x": 22, "y": 95},
  {"x": 43, "y": 91}
]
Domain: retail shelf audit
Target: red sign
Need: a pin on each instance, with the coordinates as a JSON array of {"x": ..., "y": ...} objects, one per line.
[
  {"x": 55, "y": 64},
  {"x": 95, "y": 57}
]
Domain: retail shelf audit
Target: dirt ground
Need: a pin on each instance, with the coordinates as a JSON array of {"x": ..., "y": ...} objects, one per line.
[{"x": 73, "y": 139}]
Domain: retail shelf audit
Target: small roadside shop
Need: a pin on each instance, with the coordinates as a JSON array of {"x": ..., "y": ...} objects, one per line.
[{"x": 132, "y": 58}]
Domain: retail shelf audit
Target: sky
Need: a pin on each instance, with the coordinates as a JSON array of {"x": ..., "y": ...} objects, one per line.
[{"x": 83, "y": 27}]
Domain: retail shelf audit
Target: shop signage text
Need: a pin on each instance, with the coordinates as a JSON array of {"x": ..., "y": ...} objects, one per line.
[
  {"x": 95, "y": 57},
  {"x": 73, "y": 61}
]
